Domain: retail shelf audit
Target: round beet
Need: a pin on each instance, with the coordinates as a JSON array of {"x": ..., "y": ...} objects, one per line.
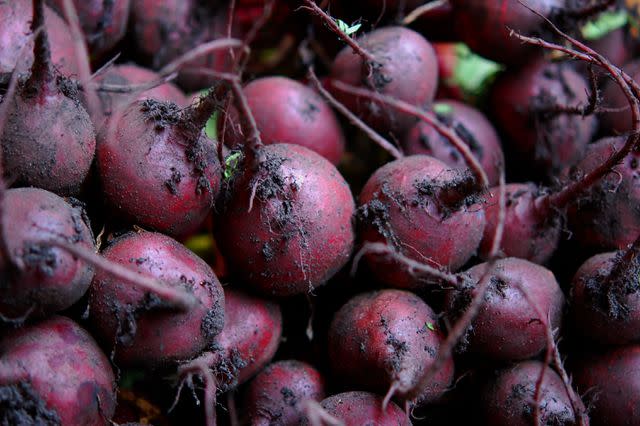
[
  {"x": 157, "y": 167},
  {"x": 364, "y": 408},
  {"x": 508, "y": 398},
  {"x": 523, "y": 104},
  {"x": 54, "y": 373},
  {"x": 425, "y": 210},
  {"x": 249, "y": 339},
  {"x": 142, "y": 330},
  {"x": 387, "y": 340},
  {"x": 507, "y": 326},
  {"x": 471, "y": 126},
  {"x": 104, "y": 22},
  {"x": 36, "y": 279},
  {"x": 611, "y": 381},
  {"x": 404, "y": 67},
  {"x": 15, "y": 20},
  {"x": 287, "y": 111},
  {"x": 287, "y": 227},
  {"x": 275, "y": 396}
]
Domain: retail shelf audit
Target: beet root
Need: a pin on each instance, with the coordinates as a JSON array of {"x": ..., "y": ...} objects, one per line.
[
  {"x": 387, "y": 339},
  {"x": 142, "y": 329},
  {"x": 288, "y": 112},
  {"x": 358, "y": 408},
  {"x": 619, "y": 121},
  {"x": 298, "y": 232},
  {"x": 276, "y": 395},
  {"x": 425, "y": 211},
  {"x": 508, "y": 398},
  {"x": 36, "y": 279},
  {"x": 507, "y": 327},
  {"x": 54, "y": 373},
  {"x": 404, "y": 67}
]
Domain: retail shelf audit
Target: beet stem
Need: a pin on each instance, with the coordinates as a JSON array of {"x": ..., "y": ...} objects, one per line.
[
  {"x": 423, "y": 10},
  {"x": 41, "y": 70}
]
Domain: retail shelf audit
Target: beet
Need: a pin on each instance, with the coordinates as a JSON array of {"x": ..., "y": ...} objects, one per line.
[
  {"x": 157, "y": 167},
  {"x": 287, "y": 112},
  {"x": 104, "y": 23},
  {"x": 471, "y": 126},
  {"x": 39, "y": 280},
  {"x": 425, "y": 211},
  {"x": 48, "y": 141},
  {"x": 141, "y": 329},
  {"x": 53, "y": 373},
  {"x": 298, "y": 232},
  {"x": 508, "y": 397},
  {"x": 523, "y": 101},
  {"x": 387, "y": 340},
  {"x": 404, "y": 68},
  {"x": 360, "y": 408},
  {"x": 507, "y": 327},
  {"x": 612, "y": 383},
  {"x": 15, "y": 21},
  {"x": 276, "y": 395}
]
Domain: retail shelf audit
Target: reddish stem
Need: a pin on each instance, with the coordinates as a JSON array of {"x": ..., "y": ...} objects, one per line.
[{"x": 41, "y": 69}]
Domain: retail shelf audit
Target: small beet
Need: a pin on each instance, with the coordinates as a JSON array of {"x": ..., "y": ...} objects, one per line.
[
  {"x": 363, "y": 408},
  {"x": 508, "y": 398},
  {"x": 37, "y": 279},
  {"x": 471, "y": 126},
  {"x": 298, "y": 233},
  {"x": 288, "y": 112},
  {"x": 275, "y": 396},
  {"x": 54, "y": 373},
  {"x": 387, "y": 340},
  {"x": 507, "y": 327},
  {"x": 141, "y": 329}
]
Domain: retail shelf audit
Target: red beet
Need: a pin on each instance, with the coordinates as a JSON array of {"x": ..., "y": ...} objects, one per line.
[
  {"x": 363, "y": 408},
  {"x": 471, "y": 126},
  {"x": 298, "y": 233},
  {"x": 15, "y": 20},
  {"x": 104, "y": 22},
  {"x": 39, "y": 280},
  {"x": 508, "y": 398},
  {"x": 612, "y": 383},
  {"x": 522, "y": 102},
  {"x": 49, "y": 141},
  {"x": 424, "y": 210},
  {"x": 157, "y": 167},
  {"x": 143, "y": 330},
  {"x": 387, "y": 339},
  {"x": 276, "y": 395},
  {"x": 507, "y": 326},
  {"x": 53, "y": 373},
  {"x": 288, "y": 112},
  {"x": 404, "y": 68}
]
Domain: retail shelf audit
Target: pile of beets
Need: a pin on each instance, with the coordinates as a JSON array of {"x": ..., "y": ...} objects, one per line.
[{"x": 330, "y": 212}]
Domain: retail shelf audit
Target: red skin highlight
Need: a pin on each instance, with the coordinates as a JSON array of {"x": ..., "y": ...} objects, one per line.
[{"x": 358, "y": 408}]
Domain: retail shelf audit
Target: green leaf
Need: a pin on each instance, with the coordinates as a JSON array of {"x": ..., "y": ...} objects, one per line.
[
  {"x": 200, "y": 244},
  {"x": 430, "y": 326},
  {"x": 442, "y": 109},
  {"x": 604, "y": 24},
  {"x": 231, "y": 164},
  {"x": 473, "y": 74},
  {"x": 346, "y": 28},
  {"x": 211, "y": 128}
]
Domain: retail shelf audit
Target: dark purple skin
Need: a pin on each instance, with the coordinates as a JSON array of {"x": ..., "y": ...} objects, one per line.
[
  {"x": 104, "y": 22},
  {"x": 611, "y": 384},
  {"x": 54, "y": 373},
  {"x": 606, "y": 216},
  {"x": 157, "y": 167},
  {"x": 363, "y": 408},
  {"x": 425, "y": 210},
  {"x": 406, "y": 69},
  {"x": 299, "y": 231},
  {"x": 275, "y": 396},
  {"x": 472, "y": 127},
  {"x": 249, "y": 339},
  {"x": 484, "y": 26},
  {"x": 287, "y": 111},
  {"x": 388, "y": 337},
  {"x": 605, "y": 307},
  {"x": 15, "y": 21},
  {"x": 508, "y": 397},
  {"x": 619, "y": 122},
  {"x": 143, "y": 329},
  {"x": 507, "y": 327},
  {"x": 40, "y": 280},
  {"x": 543, "y": 143}
]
